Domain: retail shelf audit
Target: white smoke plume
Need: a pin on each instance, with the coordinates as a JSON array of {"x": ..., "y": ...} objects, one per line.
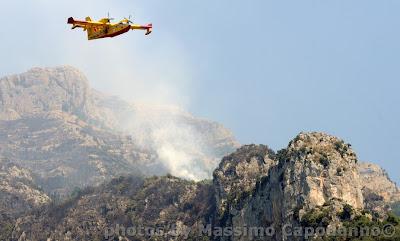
[{"x": 179, "y": 146}]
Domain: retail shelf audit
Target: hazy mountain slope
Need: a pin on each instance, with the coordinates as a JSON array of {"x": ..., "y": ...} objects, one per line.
[
  {"x": 53, "y": 123},
  {"x": 67, "y": 153}
]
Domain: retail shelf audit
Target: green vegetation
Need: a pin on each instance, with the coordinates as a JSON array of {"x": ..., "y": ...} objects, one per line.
[
  {"x": 396, "y": 208},
  {"x": 341, "y": 147},
  {"x": 355, "y": 224},
  {"x": 347, "y": 212},
  {"x": 324, "y": 160},
  {"x": 6, "y": 230},
  {"x": 316, "y": 218},
  {"x": 75, "y": 193},
  {"x": 361, "y": 222}
]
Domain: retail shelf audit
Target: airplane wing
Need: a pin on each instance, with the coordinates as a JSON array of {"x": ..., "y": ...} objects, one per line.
[{"x": 82, "y": 24}]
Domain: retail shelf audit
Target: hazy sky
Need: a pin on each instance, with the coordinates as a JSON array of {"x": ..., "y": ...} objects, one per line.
[{"x": 266, "y": 69}]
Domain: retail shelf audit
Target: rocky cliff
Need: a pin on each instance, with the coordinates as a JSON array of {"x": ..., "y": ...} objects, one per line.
[
  {"x": 41, "y": 91},
  {"x": 238, "y": 173},
  {"x": 315, "y": 169},
  {"x": 378, "y": 190}
]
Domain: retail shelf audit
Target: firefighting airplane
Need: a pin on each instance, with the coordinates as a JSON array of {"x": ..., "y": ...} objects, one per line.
[{"x": 105, "y": 29}]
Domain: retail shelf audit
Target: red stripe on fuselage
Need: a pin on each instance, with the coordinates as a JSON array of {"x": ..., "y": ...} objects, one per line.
[{"x": 116, "y": 33}]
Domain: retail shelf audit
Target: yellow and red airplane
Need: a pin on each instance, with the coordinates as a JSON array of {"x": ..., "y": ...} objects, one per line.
[{"x": 105, "y": 29}]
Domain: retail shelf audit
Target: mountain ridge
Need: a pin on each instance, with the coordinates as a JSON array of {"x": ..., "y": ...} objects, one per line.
[
  {"x": 80, "y": 162},
  {"x": 306, "y": 185}
]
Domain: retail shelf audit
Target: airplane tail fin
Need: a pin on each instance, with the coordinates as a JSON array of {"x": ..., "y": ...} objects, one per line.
[
  {"x": 149, "y": 29},
  {"x": 71, "y": 20}
]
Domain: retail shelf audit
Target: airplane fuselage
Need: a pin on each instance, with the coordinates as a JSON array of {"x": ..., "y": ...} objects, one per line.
[{"x": 107, "y": 31}]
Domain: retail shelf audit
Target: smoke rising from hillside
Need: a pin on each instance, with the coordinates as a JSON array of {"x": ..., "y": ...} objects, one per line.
[{"x": 179, "y": 146}]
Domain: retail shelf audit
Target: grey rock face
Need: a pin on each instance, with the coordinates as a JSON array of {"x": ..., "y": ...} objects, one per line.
[
  {"x": 44, "y": 90},
  {"x": 315, "y": 169},
  {"x": 239, "y": 172},
  {"x": 324, "y": 168},
  {"x": 378, "y": 189}
]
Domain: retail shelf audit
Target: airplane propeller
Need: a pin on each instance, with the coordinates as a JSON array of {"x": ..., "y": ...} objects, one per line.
[
  {"x": 108, "y": 16},
  {"x": 128, "y": 20}
]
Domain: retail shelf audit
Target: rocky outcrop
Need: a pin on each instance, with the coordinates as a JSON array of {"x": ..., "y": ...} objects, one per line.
[
  {"x": 378, "y": 190},
  {"x": 239, "y": 172},
  {"x": 314, "y": 170},
  {"x": 44, "y": 90},
  {"x": 324, "y": 168}
]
